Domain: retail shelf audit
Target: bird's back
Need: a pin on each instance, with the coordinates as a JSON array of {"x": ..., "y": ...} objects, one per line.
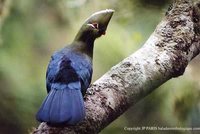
[
  {"x": 69, "y": 65},
  {"x": 69, "y": 73}
]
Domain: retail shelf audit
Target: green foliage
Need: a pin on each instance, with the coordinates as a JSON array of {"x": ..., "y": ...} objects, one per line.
[{"x": 34, "y": 29}]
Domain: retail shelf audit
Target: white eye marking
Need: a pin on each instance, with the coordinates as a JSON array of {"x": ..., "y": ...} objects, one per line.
[{"x": 94, "y": 25}]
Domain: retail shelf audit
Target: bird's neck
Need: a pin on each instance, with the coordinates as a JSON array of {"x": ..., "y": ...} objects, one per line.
[{"x": 84, "y": 43}]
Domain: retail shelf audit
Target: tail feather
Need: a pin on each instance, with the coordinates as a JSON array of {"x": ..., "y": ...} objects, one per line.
[
  {"x": 54, "y": 111},
  {"x": 43, "y": 113},
  {"x": 62, "y": 106},
  {"x": 77, "y": 108},
  {"x": 67, "y": 102}
]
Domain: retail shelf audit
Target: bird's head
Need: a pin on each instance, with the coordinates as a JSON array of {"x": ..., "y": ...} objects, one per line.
[{"x": 95, "y": 25}]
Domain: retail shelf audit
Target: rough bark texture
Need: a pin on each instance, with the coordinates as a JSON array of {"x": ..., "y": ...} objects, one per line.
[{"x": 165, "y": 55}]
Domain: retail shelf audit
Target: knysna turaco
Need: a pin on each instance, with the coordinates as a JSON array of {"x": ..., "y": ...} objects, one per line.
[{"x": 69, "y": 74}]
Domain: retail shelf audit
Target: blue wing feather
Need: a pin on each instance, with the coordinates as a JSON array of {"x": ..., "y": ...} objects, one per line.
[
  {"x": 68, "y": 74},
  {"x": 84, "y": 70}
]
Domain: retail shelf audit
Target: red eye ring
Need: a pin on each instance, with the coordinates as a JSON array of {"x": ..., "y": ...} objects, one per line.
[{"x": 95, "y": 25}]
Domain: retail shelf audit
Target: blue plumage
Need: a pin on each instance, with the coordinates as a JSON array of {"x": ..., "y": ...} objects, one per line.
[{"x": 69, "y": 73}]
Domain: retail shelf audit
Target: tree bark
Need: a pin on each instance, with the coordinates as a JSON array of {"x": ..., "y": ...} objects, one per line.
[{"x": 166, "y": 54}]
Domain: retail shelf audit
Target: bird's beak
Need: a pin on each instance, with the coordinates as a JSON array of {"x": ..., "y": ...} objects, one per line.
[{"x": 102, "y": 18}]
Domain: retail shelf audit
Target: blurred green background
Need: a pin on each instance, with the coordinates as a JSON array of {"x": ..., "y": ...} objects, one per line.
[{"x": 33, "y": 29}]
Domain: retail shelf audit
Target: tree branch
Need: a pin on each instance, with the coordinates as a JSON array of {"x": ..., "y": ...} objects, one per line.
[{"x": 166, "y": 54}]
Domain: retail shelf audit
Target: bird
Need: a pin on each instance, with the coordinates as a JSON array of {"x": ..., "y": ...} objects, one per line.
[{"x": 69, "y": 74}]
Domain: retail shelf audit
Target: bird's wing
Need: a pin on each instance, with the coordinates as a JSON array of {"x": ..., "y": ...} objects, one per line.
[
  {"x": 83, "y": 67},
  {"x": 60, "y": 71}
]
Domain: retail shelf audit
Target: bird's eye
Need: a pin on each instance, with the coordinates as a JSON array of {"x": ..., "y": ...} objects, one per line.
[{"x": 95, "y": 25}]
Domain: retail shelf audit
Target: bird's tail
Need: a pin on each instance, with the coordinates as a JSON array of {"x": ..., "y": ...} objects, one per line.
[{"x": 62, "y": 106}]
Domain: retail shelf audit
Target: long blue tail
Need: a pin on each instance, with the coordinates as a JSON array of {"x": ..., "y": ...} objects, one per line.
[{"x": 62, "y": 106}]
